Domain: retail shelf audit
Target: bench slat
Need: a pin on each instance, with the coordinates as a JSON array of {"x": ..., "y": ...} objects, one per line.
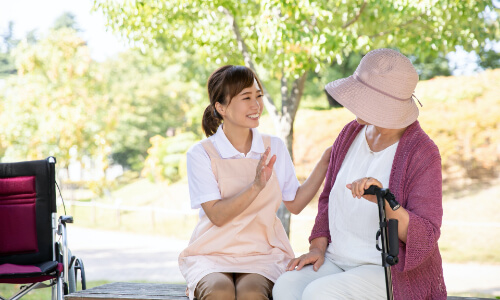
[{"x": 131, "y": 291}]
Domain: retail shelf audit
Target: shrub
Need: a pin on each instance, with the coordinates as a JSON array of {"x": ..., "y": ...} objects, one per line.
[{"x": 167, "y": 157}]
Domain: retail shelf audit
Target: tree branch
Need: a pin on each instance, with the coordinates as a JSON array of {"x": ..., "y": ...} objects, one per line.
[
  {"x": 356, "y": 17},
  {"x": 268, "y": 101}
]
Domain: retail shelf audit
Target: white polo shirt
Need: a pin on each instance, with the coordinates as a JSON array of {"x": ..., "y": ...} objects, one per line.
[{"x": 202, "y": 184}]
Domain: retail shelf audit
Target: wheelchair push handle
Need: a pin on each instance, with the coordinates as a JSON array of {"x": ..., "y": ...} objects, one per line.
[{"x": 66, "y": 219}]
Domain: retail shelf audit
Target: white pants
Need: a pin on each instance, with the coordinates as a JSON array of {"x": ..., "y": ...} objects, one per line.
[{"x": 332, "y": 281}]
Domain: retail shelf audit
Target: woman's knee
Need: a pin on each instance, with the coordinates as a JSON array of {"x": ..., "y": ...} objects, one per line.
[
  {"x": 216, "y": 286},
  {"x": 252, "y": 295},
  {"x": 253, "y": 287},
  {"x": 222, "y": 290},
  {"x": 287, "y": 287},
  {"x": 313, "y": 292}
]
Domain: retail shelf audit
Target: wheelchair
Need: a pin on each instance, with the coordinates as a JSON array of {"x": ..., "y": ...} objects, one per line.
[{"x": 33, "y": 242}]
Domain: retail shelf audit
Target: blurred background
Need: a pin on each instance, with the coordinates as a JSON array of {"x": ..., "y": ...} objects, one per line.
[{"x": 115, "y": 90}]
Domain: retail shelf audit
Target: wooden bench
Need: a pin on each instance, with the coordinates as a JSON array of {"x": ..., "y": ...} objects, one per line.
[
  {"x": 131, "y": 291},
  {"x": 151, "y": 291}
]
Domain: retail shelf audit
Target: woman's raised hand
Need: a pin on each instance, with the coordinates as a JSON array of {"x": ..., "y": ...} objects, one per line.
[
  {"x": 359, "y": 186},
  {"x": 264, "y": 171}
]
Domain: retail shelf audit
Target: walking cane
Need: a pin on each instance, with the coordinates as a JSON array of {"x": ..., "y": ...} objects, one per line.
[{"x": 388, "y": 233}]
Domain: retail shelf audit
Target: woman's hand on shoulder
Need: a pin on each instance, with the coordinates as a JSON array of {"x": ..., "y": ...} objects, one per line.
[
  {"x": 264, "y": 171},
  {"x": 315, "y": 256},
  {"x": 359, "y": 186}
]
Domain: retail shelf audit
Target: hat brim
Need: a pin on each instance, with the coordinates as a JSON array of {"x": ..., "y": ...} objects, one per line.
[{"x": 372, "y": 106}]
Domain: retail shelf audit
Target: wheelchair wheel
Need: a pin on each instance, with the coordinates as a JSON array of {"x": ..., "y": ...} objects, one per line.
[{"x": 79, "y": 266}]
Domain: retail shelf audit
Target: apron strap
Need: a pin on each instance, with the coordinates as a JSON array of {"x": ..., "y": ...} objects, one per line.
[{"x": 212, "y": 153}]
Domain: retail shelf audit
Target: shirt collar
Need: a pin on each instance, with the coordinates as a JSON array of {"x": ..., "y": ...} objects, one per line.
[{"x": 227, "y": 150}]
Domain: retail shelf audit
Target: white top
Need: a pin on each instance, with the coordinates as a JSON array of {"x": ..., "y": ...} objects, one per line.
[
  {"x": 354, "y": 222},
  {"x": 202, "y": 184}
]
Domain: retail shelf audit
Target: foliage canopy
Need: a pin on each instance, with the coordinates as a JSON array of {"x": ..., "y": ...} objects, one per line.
[{"x": 282, "y": 40}]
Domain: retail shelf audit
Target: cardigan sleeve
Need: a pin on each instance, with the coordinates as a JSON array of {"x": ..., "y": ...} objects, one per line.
[{"x": 425, "y": 209}]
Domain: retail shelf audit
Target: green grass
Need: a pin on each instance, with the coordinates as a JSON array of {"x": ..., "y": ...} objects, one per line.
[
  {"x": 139, "y": 194},
  {"x": 8, "y": 290},
  {"x": 176, "y": 226}
]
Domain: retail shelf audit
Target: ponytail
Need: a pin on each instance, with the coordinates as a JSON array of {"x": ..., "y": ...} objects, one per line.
[{"x": 211, "y": 121}]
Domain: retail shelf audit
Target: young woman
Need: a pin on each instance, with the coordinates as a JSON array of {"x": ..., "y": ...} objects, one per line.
[{"x": 237, "y": 179}]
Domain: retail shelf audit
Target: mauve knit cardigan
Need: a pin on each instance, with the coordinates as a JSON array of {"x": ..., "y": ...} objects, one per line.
[{"x": 416, "y": 182}]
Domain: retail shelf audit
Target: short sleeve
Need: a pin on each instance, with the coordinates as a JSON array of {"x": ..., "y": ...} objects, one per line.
[
  {"x": 285, "y": 170},
  {"x": 201, "y": 180}
]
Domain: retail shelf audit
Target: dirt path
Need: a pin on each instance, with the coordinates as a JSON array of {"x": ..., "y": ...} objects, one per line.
[{"x": 120, "y": 256}]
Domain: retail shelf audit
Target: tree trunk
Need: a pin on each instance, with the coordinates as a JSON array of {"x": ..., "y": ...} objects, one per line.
[
  {"x": 290, "y": 103},
  {"x": 283, "y": 121}
]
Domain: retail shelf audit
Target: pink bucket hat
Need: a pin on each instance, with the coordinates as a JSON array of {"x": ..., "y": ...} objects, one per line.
[{"x": 380, "y": 91}]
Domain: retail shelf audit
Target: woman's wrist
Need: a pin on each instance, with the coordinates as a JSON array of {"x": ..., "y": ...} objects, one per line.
[{"x": 319, "y": 244}]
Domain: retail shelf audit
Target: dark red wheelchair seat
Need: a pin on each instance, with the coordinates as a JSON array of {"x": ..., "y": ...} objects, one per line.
[{"x": 10, "y": 273}]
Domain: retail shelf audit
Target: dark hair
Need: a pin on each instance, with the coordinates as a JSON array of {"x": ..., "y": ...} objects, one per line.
[{"x": 225, "y": 83}]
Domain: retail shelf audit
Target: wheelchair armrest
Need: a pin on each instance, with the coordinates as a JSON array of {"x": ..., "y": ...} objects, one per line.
[{"x": 66, "y": 219}]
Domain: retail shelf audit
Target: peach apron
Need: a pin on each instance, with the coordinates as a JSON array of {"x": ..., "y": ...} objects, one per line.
[{"x": 253, "y": 242}]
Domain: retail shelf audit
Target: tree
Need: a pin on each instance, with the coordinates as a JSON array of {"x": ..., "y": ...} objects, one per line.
[
  {"x": 66, "y": 20},
  {"x": 285, "y": 40},
  {"x": 149, "y": 100},
  {"x": 54, "y": 104},
  {"x": 167, "y": 157},
  {"x": 489, "y": 59},
  {"x": 7, "y": 43},
  {"x": 430, "y": 66}
]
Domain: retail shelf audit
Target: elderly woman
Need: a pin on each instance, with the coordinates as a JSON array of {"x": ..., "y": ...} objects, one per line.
[{"x": 385, "y": 146}]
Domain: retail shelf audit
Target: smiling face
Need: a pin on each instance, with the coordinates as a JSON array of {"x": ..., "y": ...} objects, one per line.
[{"x": 244, "y": 109}]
